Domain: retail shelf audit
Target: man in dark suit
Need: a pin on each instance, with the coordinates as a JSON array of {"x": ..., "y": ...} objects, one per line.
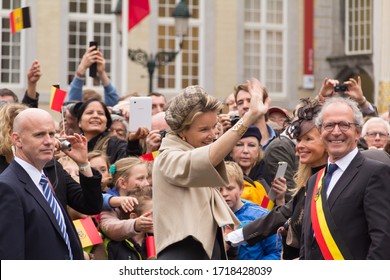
[
  {"x": 348, "y": 217},
  {"x": 29, "y": 228}
]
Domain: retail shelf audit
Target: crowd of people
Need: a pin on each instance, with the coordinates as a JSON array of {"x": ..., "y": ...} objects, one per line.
[{"x": 197, "y": 184}]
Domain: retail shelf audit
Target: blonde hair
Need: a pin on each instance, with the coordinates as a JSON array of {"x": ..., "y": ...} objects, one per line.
[
  {"x": 8, "y": 112},
  {"x": 234, "y": 170},
  {"x": 301, "y": 176},
  {"x": 122, "y": 168}
]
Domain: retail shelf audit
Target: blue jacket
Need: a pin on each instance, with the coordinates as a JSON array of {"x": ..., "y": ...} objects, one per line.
[
  {"x": 111, "y": 96},
  {"x": 106, "y": 198},
  {"x": 267, "y": 249}
]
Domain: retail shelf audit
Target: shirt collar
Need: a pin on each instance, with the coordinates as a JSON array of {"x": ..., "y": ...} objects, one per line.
[
  {"x": 33, "y": 172},
  {"x": 344, "y": 162}
]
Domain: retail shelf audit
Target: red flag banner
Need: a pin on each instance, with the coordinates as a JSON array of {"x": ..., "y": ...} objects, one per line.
[
  {"x": 87, "y": 232},
  {"x": 308, "y": 46},
  {"x": 138, "y": 9},
  {"x": 57, "y": 98},
  {"x": 19, "y": 19}
]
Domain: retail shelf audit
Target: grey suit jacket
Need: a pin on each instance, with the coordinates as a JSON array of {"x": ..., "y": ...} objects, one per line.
[{"x": 360, "y": 206}]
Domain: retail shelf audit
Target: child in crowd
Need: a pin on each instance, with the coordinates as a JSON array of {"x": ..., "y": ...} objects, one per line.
[
  {"x": 99, "y": 161},
  {"x": 127, "y": 174},
  {"x": 246, "y": 211},
  {"x": 136, "y": 246}
]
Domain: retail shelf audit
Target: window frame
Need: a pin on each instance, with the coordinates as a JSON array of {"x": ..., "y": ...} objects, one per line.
[
  {"x": 357, "y": 24},
  {"x": 90, "y": 18},
  {"x": 263, "y": 27},
  {"x": 20, "y": 86}
]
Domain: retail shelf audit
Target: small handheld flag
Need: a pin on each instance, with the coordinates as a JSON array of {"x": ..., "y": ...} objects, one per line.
[
  {"x": 57, "y": 98},
  {"x": 87, "y": 232},
  {"x": 19, "y": 19}
]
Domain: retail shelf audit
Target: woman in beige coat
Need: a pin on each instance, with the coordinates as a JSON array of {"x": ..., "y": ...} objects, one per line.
[{"x": 188, "y": 210}]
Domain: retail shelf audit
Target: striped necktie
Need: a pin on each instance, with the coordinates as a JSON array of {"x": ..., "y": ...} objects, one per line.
[{"x": 47, "y": 193}]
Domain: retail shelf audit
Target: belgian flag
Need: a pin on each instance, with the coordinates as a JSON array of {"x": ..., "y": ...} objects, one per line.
[
  {"x": 57, "y": 98},
  {"x": 19, "y": 19}
]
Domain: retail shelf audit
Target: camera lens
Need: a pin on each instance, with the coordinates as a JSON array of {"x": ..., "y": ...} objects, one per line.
[{"x": 65, "y": 145}]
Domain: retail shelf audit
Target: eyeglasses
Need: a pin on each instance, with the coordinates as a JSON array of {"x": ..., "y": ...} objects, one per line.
[
  {"x": 343, "y": 126},
  {"x": 373, "y": 134}
]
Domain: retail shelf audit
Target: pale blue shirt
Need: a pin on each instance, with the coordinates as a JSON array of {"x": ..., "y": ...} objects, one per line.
[{"x": 342, "y": 164}]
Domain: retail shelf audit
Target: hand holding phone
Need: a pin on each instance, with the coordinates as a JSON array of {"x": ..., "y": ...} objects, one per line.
[
  {"x": 93, "y": 67},
  {"x": 282, "y": 167}
]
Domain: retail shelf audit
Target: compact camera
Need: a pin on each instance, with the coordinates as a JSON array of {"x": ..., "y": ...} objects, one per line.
[
  {"x": 116, "y": 112},
  {"x": 65, "y": 145},
  {"x": 341, "y": 88},
  {"x": 234, "y": 119},
  {"x": 163, "y": 133}
]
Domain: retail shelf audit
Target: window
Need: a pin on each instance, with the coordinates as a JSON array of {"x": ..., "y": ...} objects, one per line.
[
  {"x": 264, "y": 42},
  {"x": 90, "y": 20},
  {"x": 185, "y": 70},
  {"x": 358, "y": 27},
  {"x": 11, "y": 47}
]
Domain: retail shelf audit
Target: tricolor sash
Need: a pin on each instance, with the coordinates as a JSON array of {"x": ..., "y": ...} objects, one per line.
[{"x": 326, "y": 233}]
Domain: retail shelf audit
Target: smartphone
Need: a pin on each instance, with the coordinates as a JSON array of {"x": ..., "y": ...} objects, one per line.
[
  {"x": 282, "y": 167},
  {"x": 93, "y": 67},
  {"x": 140, "y": 113}
]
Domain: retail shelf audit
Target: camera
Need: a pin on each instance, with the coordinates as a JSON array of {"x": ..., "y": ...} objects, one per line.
[
  {"x": 341, "y": 88},
  {"x": 116, "y": 112},
  {"x": 163, "y": 133},
  {"x": 234, "y": 119},
  {"x": 65, "y": 145}
]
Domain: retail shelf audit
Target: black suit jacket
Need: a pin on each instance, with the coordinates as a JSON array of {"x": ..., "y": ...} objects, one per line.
[
  {"x": 28, "y": 227},
  {"x": 85, "y": 197},
  {"x": 360, "y": 207}
]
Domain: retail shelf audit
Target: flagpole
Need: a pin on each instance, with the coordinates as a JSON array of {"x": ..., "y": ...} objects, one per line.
[
  {"x": 63, "y": 119},
  {"x": 124, "y": 56}
]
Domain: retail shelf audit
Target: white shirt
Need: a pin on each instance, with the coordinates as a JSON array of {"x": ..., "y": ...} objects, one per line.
[
  {"x": 32, "y": 171},
  {"x": 342, "y": 164},
  {"x": 35, "y": 176}
]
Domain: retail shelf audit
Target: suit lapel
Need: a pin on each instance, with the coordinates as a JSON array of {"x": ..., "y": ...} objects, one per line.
[
  {"x": 345, "y": 179},
  {"x": 32, "y": 190}
]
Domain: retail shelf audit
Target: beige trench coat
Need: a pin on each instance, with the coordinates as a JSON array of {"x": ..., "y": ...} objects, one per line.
[{"x": 186, "y": 199}]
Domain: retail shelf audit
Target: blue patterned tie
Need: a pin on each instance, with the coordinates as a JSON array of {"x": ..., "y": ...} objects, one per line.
[
  {"x": 331, "y": 168},
  {"x": 56, "y": 210}
]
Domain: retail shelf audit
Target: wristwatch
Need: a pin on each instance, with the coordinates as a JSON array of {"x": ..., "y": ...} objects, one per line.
[{"x": 84, "y": 167}]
